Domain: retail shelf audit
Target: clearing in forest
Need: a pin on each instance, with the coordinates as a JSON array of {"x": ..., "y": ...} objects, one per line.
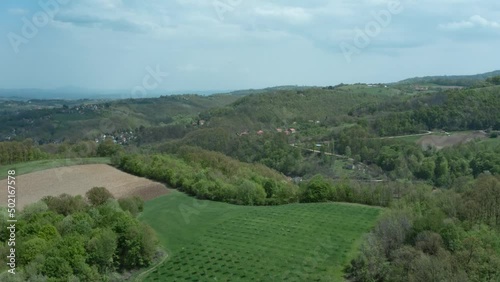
[{"x": 443, "y": 141}]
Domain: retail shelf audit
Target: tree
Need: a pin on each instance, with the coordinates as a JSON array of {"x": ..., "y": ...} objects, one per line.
[
  {"x": 431, "y": 269},
  {"x": 98, "y": 195},
  {"x": 494, "y": 80},
  {"x": 317, "y": 189},
  {"x": 429, "y": 242},
  {"x": 401, "y": 262},
  {"x": 427, "y": 169},
  {"x": 251, "y": 193},
  {"x": 65, "y": 204},
  {"x": 101, "y": 248},
  {"x": 107, "y": 148},
  {"x": 348, "y": 152},
  {"x": 441, "y": 171},
  {"x": 134, "y": 205},
  {"x": 135, "y": 246},
  {"x": 57, "y": 267},
  {"x": 30, "y": 249},
  {"x": 392, "y": 231},
  {"x": 371, "y": 264}
]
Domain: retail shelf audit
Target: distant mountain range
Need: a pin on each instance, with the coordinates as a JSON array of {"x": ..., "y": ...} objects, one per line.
[
  {"x": 452, "y": 80},
  {"x": 76, "y": 93}
]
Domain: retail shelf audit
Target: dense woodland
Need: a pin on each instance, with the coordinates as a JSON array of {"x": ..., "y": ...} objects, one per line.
[
  {"x": 453, "y": 110},
  {"x": 442, "y": 219},
  {"x": 453, "y": 80},
  {"x": 436, "y": 235},
  {"x": 72, "y": 238}
]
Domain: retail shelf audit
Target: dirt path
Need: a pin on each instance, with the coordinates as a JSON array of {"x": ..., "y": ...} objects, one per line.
[
  {"x": 409, "y": 135},
  {"x": 316, "y": 151},
  {"x": 143, "y": 274},
  {"x": 77, "y": 180}
]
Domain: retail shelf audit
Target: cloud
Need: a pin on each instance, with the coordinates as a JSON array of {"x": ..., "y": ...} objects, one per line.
[
  {"x": 189, "y": 68},
  {"x": 258, "y": 43},
  {"x": 473, "y": 22},
  {"x": 293, "y": 15},
  {"x": 113, "y": 15},
  {"x": 116, "y": 24},
  {"x": 17, "y": 12}
]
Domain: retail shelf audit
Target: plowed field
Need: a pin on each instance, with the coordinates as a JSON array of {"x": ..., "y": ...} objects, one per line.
[{"x": 77, "y": 180}]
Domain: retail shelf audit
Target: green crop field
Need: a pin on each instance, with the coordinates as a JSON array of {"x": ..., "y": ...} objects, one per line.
[
  {"x": 212, "y": 241},
  {"x": 27, "y": 167}
]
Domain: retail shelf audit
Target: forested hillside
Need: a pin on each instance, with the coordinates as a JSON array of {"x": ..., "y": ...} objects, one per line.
[
  {"x": 279, "y": 146},
  {"x": 452, "y": 80},
  {"x": 87, "y": 120},
  {"x": 328, "y": 106},
  {"x": 452, "y": 110}
]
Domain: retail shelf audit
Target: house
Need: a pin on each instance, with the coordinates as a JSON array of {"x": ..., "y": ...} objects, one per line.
[
  {"x": 350, "y": 167},
  {"x": 260, "y": 132},
  {"x": 421, "y": 88},
  {"x": 292, "y": 130},
  {"x": 279, "y": 130}
]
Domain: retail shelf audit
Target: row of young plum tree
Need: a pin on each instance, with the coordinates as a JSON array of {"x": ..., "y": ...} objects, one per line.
[
  {"x": 435, "y": 235},
  {"x": 72, "y": 238}
]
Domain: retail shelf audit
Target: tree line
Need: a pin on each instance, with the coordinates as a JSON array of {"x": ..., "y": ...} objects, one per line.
[
  {"x": 213, "y": 176},
  {"x": 12, "y": 152}
]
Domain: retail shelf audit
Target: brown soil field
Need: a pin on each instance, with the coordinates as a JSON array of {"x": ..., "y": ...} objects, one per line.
[
  {"x": 440, "y": 142},
  {"x": 77, "y": 180}
]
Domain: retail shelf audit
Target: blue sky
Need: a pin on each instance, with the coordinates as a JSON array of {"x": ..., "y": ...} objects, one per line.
[{"x": 239, "y": 44}]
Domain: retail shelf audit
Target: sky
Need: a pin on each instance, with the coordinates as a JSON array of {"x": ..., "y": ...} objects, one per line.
[{"x": 142, "y": 45}]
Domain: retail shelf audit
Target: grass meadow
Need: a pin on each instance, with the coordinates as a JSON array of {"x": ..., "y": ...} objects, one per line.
[
  {"x": 212, "y": 241},
  {"x": 27, "y": 167}
]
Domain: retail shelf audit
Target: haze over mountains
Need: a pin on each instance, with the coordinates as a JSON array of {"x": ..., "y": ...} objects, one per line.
[{"x": 76, "y": 93}]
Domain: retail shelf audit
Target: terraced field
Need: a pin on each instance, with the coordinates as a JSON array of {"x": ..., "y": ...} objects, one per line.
[{"x": 211, "y": 241}]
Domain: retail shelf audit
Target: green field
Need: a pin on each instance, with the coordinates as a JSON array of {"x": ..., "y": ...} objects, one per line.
[
  {"x": 493, "y": 142},
  {"x": 27, "y": 167},
  {"x": 212, "y": 241}
]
